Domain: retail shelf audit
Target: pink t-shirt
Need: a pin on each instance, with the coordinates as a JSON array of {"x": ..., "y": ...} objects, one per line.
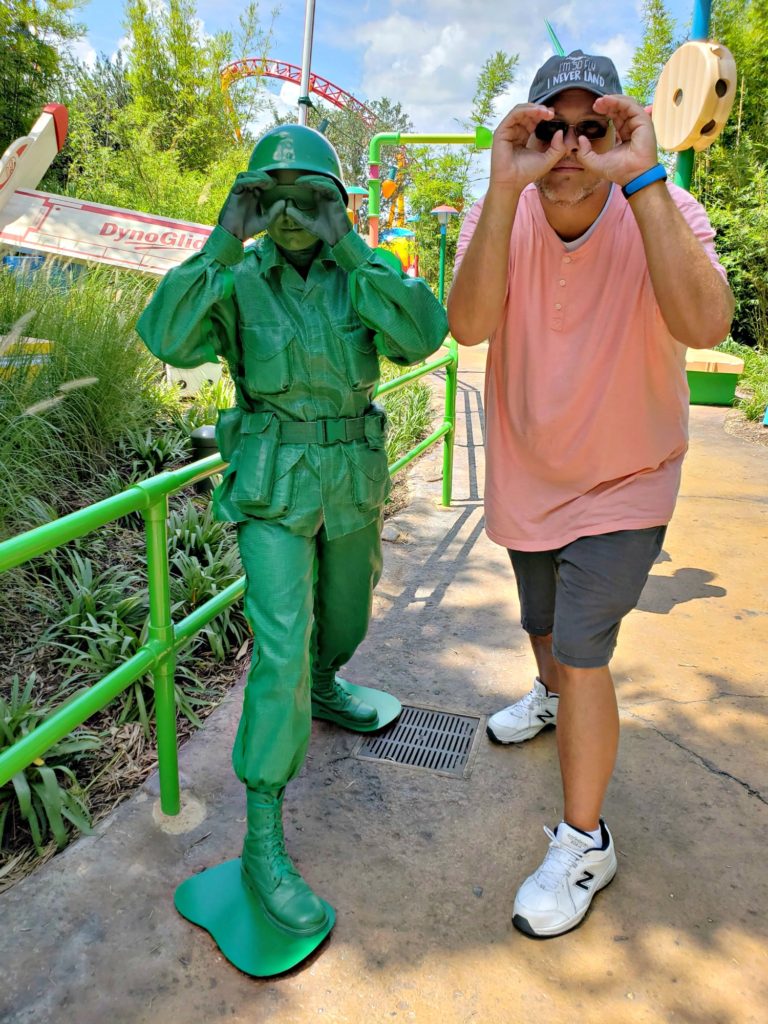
[{"x": 586, "y": 394}]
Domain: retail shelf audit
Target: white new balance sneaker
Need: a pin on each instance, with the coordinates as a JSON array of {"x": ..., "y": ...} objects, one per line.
[
  {"x": 524, "y": 719},
  {"x": 556, "y": 897}
]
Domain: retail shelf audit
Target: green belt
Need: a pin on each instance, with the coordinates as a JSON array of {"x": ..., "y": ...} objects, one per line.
[{"x": 322, "y": 431}]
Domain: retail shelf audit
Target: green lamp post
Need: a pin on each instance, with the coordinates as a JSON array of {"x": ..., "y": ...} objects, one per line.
[{"x": 443, "y": 214}]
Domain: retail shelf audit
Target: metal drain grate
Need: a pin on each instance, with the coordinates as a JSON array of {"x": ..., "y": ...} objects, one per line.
[{"x": 422, "y": 738}]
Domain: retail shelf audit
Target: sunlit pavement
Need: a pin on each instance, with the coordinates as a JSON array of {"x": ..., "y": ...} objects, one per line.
[{"x": 422, "y": 868}]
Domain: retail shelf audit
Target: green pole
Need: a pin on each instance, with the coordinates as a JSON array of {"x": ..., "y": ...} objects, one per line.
[
  {"x": 161, "y": 630},
  {"x": 441, "y": 283},
  {"x": 699, "y": 30},
  {"x": 451, "y": 387},
  {"x": 684, "y": 169}
]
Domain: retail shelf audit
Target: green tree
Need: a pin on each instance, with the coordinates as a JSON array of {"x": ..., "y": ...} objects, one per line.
[
  {"x": 33, "y": 39},
  {"x": 444, "y": 175},
  {"x": 174, "y": 78},
  {"x": 95, "y": 98},
  {"x": 730, "y": 177},
  {"x": 155, "y": 132},
  {"x": 656, "y": 47},
  {"x": 496, "y": 75},
  {"x": 351, "y": 136}
]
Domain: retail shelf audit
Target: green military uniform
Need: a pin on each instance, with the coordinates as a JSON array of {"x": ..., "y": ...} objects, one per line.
[
  {"x": 300, "y": 352},
  {"x": 301, "y": 326}
]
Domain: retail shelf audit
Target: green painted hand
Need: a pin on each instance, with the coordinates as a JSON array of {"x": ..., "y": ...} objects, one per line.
[
  {"x": 329, "y": 221},
  {"x": 242, "y": 214}
]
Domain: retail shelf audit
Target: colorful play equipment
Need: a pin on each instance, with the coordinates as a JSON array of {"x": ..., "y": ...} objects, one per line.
[
  {"x": 482, "y": 138},
  {"x": 393, "y": 187}
]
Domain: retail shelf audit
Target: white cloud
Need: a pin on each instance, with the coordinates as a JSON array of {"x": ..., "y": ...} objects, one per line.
[
  {"x": 83, "y": 52},
  {"x": 428, "y": 56},
  {"x": 621, "y": 51},
  {"x": 123, "y": 46},
  {"x": 283, "y": 103}
]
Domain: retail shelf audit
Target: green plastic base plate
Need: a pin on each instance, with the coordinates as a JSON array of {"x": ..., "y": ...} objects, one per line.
[
  {"x": 389, "y": 708},
  {"x": 218, "y": 901}
]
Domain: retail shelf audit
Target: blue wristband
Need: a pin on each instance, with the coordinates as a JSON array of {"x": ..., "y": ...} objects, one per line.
[{"x": 657, "y": 173}]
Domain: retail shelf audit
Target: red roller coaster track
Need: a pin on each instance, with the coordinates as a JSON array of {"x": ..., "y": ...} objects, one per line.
[{"x": 256, "y": 66}]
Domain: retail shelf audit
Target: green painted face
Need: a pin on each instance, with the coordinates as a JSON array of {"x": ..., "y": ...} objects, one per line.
[
  {"x": 288, "y": 235},
  {"x": 284, "y": 231}
]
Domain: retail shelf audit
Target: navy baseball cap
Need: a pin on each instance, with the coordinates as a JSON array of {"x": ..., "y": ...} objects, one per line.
[{"x": 576, "y": 71}]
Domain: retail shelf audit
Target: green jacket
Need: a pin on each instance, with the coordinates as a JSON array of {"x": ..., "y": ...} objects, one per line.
[{"x": 298, "y": 351}]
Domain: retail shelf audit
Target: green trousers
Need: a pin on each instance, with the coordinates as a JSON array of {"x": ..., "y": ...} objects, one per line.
[{"x": 308, "y": 601}]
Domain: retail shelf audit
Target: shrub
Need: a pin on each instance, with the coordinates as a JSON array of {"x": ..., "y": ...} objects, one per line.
[
  {"x": 409, "y": 415},
  {"x": 46, "y": 794},
  {"x": 60, "y": 419},
  {"x": 210, "y": 398},
  {"x": 754, "y": 380}
]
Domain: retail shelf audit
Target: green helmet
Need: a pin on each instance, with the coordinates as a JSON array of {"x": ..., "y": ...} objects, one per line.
[{"x": 294, "y": 147}]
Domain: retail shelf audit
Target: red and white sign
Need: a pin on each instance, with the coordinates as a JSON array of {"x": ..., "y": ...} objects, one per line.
[
  {"x": 92, "y": 233},
  {"x": 26, "y": 160}
]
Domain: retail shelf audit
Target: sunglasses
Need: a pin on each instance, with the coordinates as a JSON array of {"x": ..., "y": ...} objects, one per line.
[
  {"x": 545, "y": 130},
  {"x": 300, "y": 196}
]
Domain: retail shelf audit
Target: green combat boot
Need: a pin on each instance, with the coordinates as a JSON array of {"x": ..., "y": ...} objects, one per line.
[
  {"x": 333, "y": 702},
  {"x": 268, "y": 871}
]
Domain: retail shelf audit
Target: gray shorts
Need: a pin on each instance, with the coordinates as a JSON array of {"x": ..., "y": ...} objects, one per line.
[{"x": 580, "y": 593}]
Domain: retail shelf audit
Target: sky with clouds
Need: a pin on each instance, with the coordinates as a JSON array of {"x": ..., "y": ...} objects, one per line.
[{"x": 425, "y": 55}]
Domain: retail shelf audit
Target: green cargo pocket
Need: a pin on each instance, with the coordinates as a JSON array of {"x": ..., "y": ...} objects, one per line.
[
  {"x": 228, "y": 427},
  {"x": 267, "y": 357},
  {"x": 370, "y": 476},
  {"x": 256, "y": 460},
  {"x": 360, "y": 357},
  {"x": 283, "y": 498}
]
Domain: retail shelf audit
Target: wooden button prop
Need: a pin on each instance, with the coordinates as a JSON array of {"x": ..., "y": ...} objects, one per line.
[{"x": 694, "y": 96}]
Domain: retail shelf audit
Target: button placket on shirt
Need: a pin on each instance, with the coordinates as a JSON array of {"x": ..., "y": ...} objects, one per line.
[{"x": 559, "y": 300}]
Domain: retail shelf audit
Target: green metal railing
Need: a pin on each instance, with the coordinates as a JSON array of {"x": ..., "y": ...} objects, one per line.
[{"x": 165, "y": 638}]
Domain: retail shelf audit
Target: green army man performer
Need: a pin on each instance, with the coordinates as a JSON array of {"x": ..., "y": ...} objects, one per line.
[{"x": 301, "y": 317}]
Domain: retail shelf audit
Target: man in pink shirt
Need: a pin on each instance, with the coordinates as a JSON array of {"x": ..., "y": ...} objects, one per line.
[{"x": 590, "y": 275}]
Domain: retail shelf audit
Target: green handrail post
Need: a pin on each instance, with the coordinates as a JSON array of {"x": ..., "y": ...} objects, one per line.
[
  {"x": 161, "y": 631},
  {"x": 441, "y": 277},
  {"x": 158, "y": 655},
  {"x": 451, "y": 389}
]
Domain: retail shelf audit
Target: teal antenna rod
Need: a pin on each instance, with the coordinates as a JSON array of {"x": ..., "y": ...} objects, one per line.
[{"x": 556, "y": 45}]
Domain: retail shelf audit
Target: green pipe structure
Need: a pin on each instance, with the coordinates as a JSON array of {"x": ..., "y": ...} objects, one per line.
[
  {"x": 165, "y": 638},
  {"x": 451, "y": 388},
  {"x": 481, "y": 139}
]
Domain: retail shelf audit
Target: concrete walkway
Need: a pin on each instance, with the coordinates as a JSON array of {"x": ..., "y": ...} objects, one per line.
[{"x": 422, "y": 868}]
